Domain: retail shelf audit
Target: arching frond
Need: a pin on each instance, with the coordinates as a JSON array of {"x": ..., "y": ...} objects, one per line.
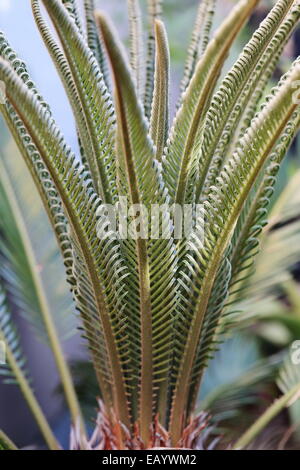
[
  {"x": 20, "y": 270},
  {"x": 280, "y": 246},
  {"x": 30, "y": 153},
  {"x": 253, "y": 220},
  {"x": 81, "y": 204}
]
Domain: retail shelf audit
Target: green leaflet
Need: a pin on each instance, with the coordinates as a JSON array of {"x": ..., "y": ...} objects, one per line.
[
  {"x": 181, "y": 158},
  {"x": 159, "y": 123},
  {"x": 72, "y": 7},
  {"x": 224, "y": 206},
  {"x": 154, "y": 13},
  {"x": 136, "y": 45}
]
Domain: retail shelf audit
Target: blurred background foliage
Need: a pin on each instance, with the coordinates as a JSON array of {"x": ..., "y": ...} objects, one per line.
[{"x": 241, "y": 379}]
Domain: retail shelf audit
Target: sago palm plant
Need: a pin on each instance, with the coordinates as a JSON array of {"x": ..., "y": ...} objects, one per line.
[{"x": 152, "y": 307}]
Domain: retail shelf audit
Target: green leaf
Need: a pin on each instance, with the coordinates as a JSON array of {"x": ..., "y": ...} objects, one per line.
[
  {"x": 94, "y": 40},
  {"x": 81, "y": 205},
  {"x": 223, "y": 209},
  {"x": 152, "y": 262},
  {"x": 159, "y": 124},
  {"x": 181, "y": 156},
  {"x": 237, "y": 88},
  {"x": 199, "y": 40},
  {"x": 136, "y": 45},
  {"x": 154, "y": 13},
  {"x": 289, "y": 381},
  {"x": 6, "y": 443},
  {"x": 96, "y": 106}
]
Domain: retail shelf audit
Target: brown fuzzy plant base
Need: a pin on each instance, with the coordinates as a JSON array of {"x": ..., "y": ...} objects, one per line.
[{"x": 110, "y": 435}]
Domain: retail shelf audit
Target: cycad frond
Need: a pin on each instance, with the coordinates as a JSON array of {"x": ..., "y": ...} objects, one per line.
[
  {"x": 237, "y": 87},
  {"x": 96, "y": 107},
  {"x": 20, "y": 270},
  {"x": 94, "y": 40},
  {"x": 181, "y": 156},
  {"x": 159, "y": 123},
  {"x": 253, "y": 219},
  {"x": 154, "y": 13},
  {"x": 199, "y": 40},
  {"x": 33, "y": 160},
  {"x": 136, "y": 45},
  {"x": 81, "y": 208},
  {"x": 153, "y": 281},
  {"x": 224, "y": 205},
  {"x": 280, "y": 242}
]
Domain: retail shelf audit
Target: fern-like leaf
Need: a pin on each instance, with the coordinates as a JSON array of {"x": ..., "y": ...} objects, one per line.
[
  {"x": 227, "y": 198},
  {"x": 81, "y": 205},
  {"x": 199, "y": 40},
  {"x": 154, "y": 13},
  {"x": 181, "y": 154},
  {"x": 159, "y": 124}
]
